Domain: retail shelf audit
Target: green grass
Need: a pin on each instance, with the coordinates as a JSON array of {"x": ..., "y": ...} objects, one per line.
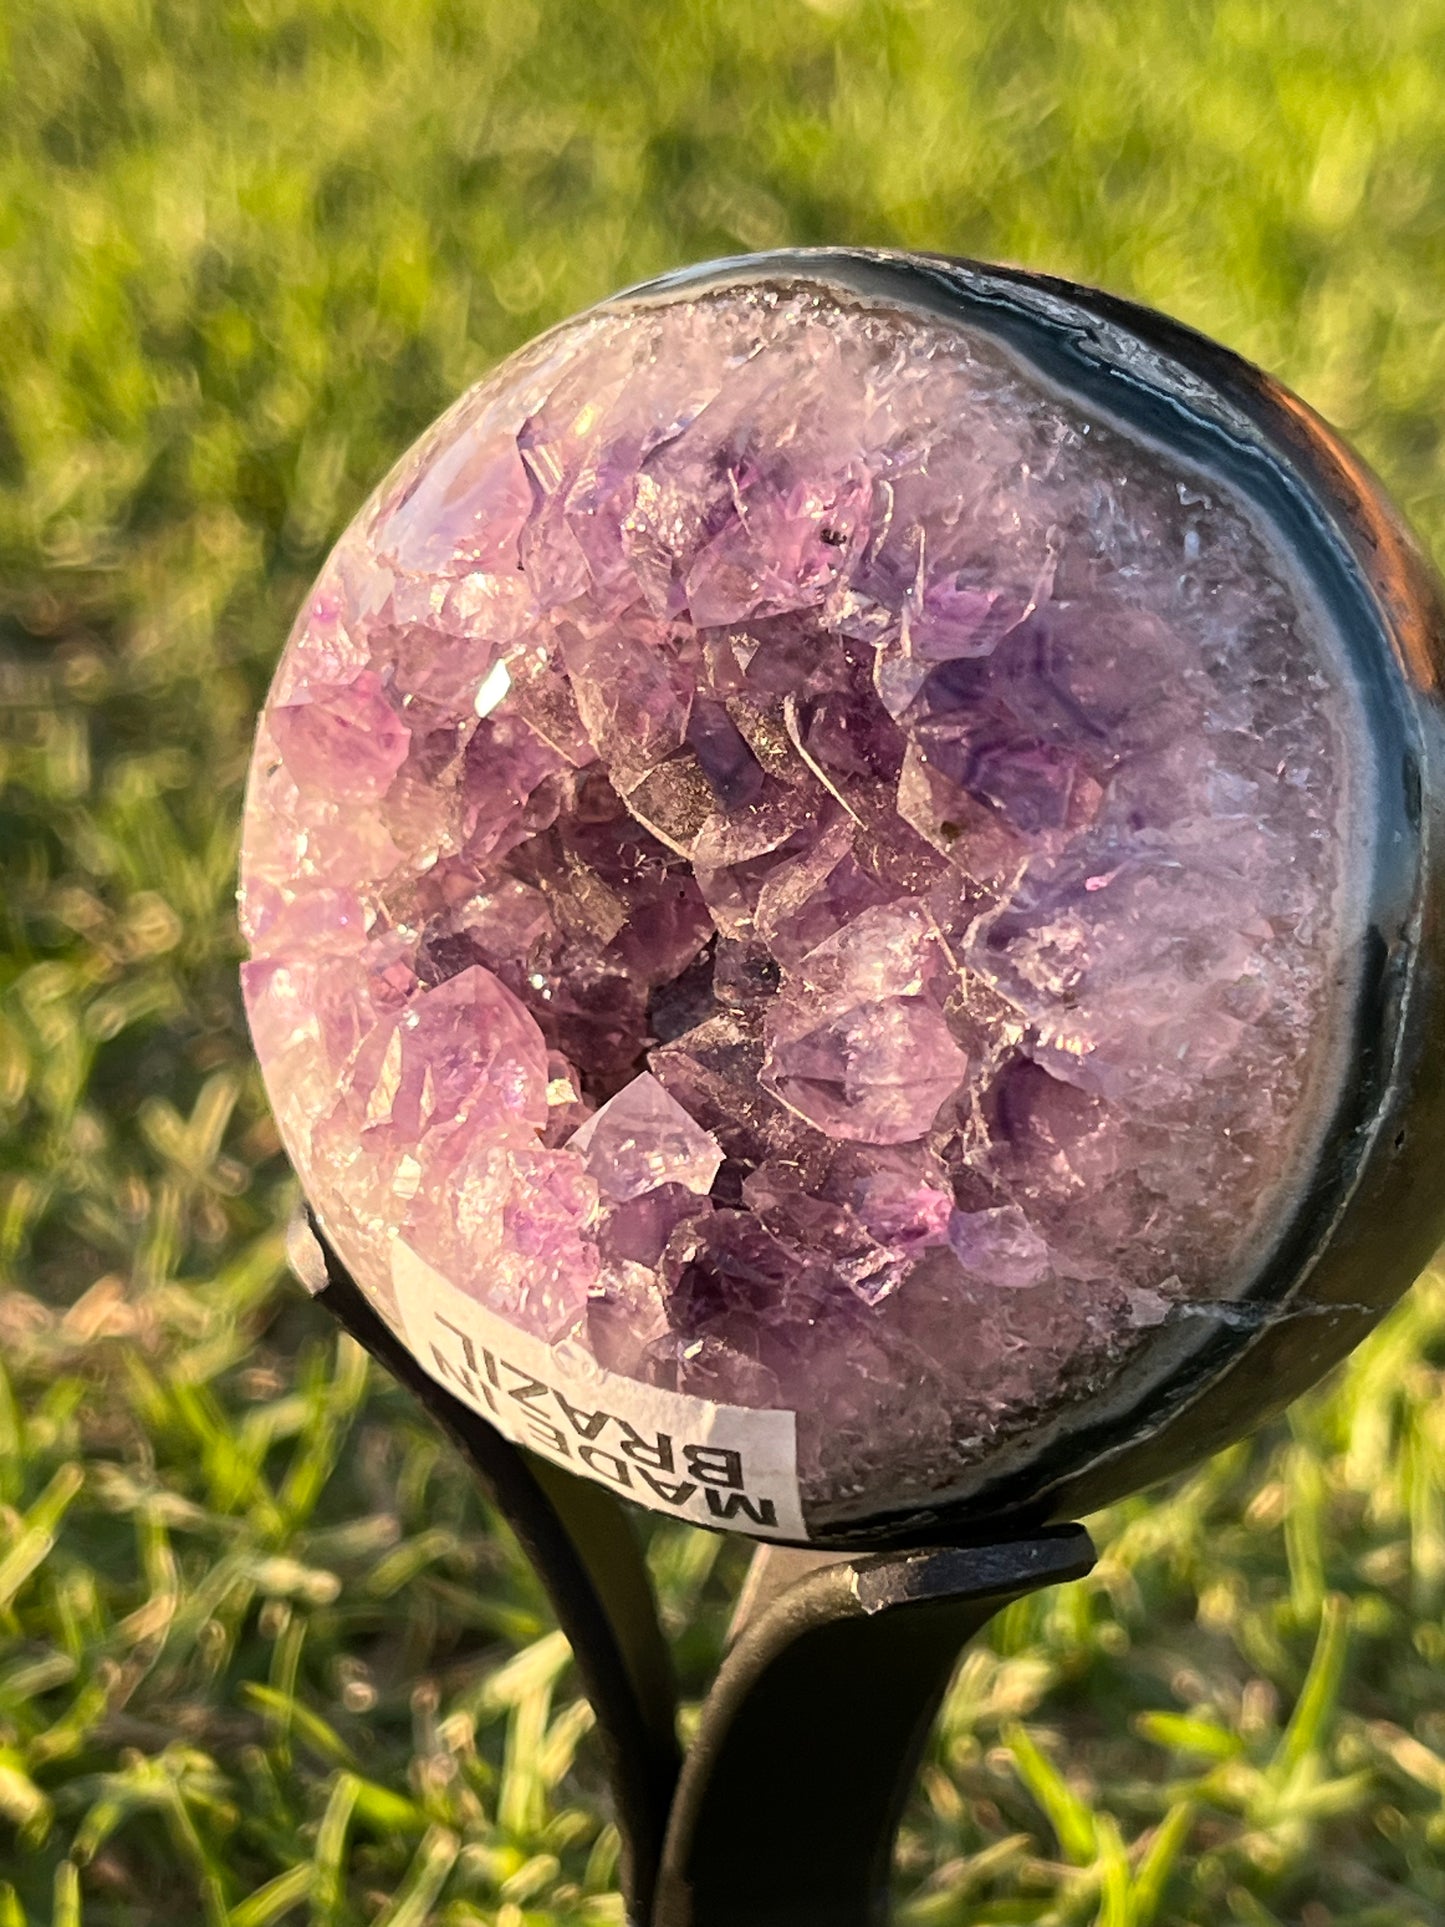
[{"x": 263, "y": 1655}]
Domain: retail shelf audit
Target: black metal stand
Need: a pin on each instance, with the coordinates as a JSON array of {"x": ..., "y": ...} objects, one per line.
[{"x": 784, "y": 1810}]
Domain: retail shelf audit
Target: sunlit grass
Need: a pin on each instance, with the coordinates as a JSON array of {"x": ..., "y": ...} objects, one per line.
[{"x": 263, "y": 1658}]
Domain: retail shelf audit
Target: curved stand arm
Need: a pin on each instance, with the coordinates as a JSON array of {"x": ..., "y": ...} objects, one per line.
[
  {"x": 784, "y": 1810},
  {"x": 582, "y": 1547},
  {"x": 791, "y": 1793}
]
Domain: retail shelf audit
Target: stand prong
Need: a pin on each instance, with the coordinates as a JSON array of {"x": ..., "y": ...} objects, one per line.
[
  {"x": 586, "y": 1553},
  {"x": 792, "y": 1789},
  {"x": 784, "y": 1811}
]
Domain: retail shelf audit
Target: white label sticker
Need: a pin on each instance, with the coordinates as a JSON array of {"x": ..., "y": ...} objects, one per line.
[{"x": 714, "y": 1465}]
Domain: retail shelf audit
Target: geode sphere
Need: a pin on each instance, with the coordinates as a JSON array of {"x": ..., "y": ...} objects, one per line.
[{"x": 854, "y": 835}]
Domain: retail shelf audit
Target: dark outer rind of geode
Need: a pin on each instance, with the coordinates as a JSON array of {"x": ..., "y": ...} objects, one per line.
[{"x": 1373, "y": 1213}]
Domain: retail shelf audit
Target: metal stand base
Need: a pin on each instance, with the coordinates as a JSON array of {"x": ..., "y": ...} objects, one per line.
[{"x": 783, "y": 1812}]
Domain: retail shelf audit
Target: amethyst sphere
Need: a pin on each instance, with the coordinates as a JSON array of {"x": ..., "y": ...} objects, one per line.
[{"x": 804, "y": 852}]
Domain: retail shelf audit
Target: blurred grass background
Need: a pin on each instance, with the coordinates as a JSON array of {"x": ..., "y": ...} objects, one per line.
[{"x": 263, "y": 1657}]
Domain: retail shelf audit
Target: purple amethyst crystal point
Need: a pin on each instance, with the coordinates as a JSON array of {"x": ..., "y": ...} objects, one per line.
[
  {"x": 799, "y": 859},
  {"x": 858, "y": 1044},
  {"x": 643, "y": 1139}
]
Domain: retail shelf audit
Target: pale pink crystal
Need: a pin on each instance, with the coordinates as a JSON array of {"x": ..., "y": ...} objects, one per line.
[
  {"x": 642, "y": 1139},
  {"x": 519, "y": 1229},
  {"x": 999, "y": 1246},
  {"x": 877, "y": 1071},
  {"x": 343, "y": 736},
  {"x": 787, "y": 852}
]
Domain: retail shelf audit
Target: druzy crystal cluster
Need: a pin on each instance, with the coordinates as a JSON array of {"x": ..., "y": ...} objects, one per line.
[{"x": 789, "y": 855}]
